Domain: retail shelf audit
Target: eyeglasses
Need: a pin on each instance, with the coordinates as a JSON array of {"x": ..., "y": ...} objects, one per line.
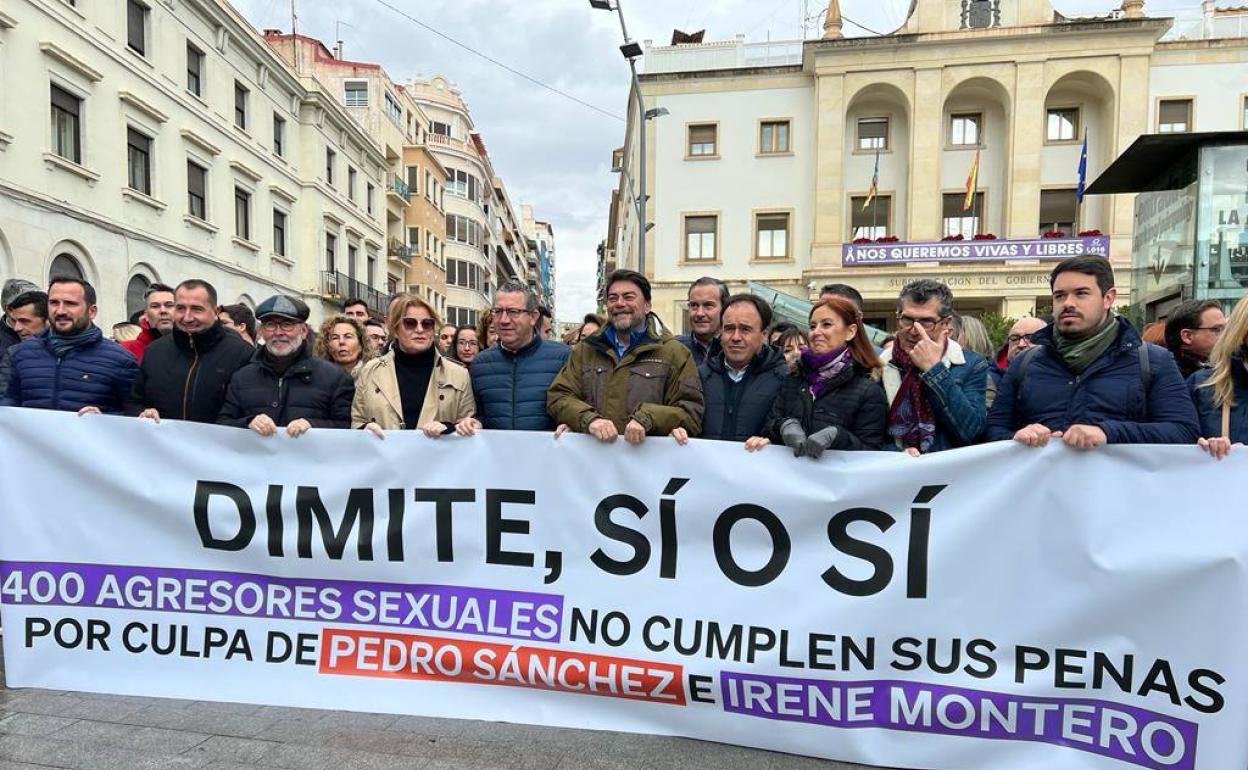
[
  {"x": 468, "y": 344},
  {"x": 286, "y": 326},
  {"x": 1215, "y": 329},
  {"x": 412, "y": 324},
  {"x": 1014, "y": 339},
  {"x": 510, "y": 312},
  {"x": 928, "y": 324}
]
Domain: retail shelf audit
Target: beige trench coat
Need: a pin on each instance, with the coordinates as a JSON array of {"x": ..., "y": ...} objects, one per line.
[{"x": 448, "y": 399}]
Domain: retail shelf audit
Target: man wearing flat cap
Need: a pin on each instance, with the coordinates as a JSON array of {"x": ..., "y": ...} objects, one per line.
[{"x": 285, "y": 386}]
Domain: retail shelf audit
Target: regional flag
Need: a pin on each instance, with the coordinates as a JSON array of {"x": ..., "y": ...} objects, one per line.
[
  {"x": 972, "y": 182},
  {"x": 875, "y": 183},
  {"x": 1083, "y": 169}
]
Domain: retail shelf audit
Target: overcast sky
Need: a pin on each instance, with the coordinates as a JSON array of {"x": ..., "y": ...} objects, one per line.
[{"x": 550, "y": 151}]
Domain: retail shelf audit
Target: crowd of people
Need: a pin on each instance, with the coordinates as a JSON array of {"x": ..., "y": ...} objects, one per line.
[{"x": 1084, "y": 377}]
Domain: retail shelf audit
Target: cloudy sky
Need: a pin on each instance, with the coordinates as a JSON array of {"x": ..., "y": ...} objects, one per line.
[{"x": 552, "y": 152}]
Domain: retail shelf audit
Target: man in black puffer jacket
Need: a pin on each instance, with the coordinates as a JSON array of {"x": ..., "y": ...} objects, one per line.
[
  {"x": 284, "y": 386},
  {"x": 184, "y": 374},
  {"x": 741, "y": 379}
]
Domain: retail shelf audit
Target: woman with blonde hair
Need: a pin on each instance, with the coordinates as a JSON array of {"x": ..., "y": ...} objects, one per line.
[
  {"x": 1221, "y": 390},
  {"x": 342, "y": 341},
  {"x": 413, "y": 386}
]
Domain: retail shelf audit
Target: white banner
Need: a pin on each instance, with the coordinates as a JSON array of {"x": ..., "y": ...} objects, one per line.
[{"x": 993, "y": 607}]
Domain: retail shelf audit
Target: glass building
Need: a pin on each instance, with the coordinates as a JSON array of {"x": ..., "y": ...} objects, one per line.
[{"x": 1190, "y": 238}]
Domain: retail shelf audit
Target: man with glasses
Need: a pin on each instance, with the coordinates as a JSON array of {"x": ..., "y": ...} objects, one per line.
[
  {"x": 705, "y": 303},
  {"x": 1191, "y": 331},
  {"x": 285, "y": 386},
  {"x": 1090, "y": 380},
  {"x": 1022, "y": 336},
  {"x": 511, "y": 378},
  {"x": 935, "y": 388},
  {"x": 630, "y": 378}
]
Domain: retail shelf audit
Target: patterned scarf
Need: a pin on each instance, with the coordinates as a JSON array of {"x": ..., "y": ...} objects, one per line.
[
  {"x": 822, "y": 368},
  {"x": 60, "y": 344},
  {"x": 1081, "y": 352},
  {"x": 911, "y": 420}
]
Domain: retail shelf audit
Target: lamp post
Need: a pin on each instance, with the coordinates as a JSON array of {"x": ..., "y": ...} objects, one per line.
[{"x": 632, "y": 51}]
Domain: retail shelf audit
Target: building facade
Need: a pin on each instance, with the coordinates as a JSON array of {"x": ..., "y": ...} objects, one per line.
[
  {"x": 541, "y": 238},
  {"x": 139, "y": 143},
  {"x": 847, "y": 160}
]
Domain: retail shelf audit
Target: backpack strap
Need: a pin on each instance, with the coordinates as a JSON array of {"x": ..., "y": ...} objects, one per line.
[
  {"x": 1146, "y": 374},
  {"x": 1024, "y": 361}
]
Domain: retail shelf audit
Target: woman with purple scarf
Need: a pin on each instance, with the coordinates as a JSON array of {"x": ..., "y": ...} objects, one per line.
[{"x": 832, "y": 401}]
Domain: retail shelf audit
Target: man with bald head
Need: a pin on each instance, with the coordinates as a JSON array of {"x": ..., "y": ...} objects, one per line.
[{"x": 1020, "y": 336}]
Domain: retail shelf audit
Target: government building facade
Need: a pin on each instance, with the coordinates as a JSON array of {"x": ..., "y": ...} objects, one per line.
[{"x": 847, "y": 160}]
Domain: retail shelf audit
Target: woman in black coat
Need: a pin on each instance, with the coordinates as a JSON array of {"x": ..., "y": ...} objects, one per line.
[{"x": 831, "y": 401}]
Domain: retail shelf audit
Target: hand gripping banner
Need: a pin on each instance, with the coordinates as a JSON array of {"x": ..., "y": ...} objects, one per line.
[{"x": 978, "y": 609}]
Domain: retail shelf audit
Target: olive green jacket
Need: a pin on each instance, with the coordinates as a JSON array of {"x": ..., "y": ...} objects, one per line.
[{"x": 655, "y": 383}]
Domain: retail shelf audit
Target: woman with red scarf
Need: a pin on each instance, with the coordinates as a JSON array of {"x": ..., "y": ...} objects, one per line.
[{"x": 831, "y": 401}]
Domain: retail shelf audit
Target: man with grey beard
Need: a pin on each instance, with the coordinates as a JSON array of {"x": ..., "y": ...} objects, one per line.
[{"x": 285, "y": 386}]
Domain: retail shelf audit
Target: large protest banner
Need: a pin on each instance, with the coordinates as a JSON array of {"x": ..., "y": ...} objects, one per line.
[{"x": 994, "y": 607}]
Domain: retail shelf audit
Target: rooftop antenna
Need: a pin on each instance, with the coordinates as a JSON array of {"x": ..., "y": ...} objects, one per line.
[
  {"x": 338, "y": 25},
  {"x": 294, "y": 33}
]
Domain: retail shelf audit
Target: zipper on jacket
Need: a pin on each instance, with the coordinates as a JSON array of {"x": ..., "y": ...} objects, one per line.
[
  {"x": 56, "y": 384},
  {"x": 190, "y": 374},
  {"x": 515, "y": 370}
]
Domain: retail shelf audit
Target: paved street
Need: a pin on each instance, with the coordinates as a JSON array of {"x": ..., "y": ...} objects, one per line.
[{"x": 46, "y": 728}]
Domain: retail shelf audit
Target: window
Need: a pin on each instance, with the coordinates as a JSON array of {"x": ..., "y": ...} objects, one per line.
[
  {"x": 136, "y": 27},
  {"x": 1062, "y": 124},
  {"x": 196, "y": 190},
  {"x": 773, "y": 136},
  {"x": 66, "y": 125},
  {"x": 368, "y": 197},
  {"x": 139, "y": 161},
  {"x": 357, "y": 94},
  {"x": 330, "y": 156},
  {"x": 463, "y": 184},
  {"x": 240, "y": 105},
  {"x": 962, "y": 222},
  {"x": 242, "y": 213},
  {"x": 351, "y": 175},
  {"x": 870, "y": 220},
  {"x": 772, "y": 240},
  {"x": 135, "y": 289},
  {"x": 413, "y": 239},
  {"x": 463, "y": 230},
  {"x": 700, "y": 237},
  {"x": 65, "y": 266},
  {"x": 370, "y": 273},
  {"x": 964, "y": 130},
  {"x": 413, "y": 180},
  {"x": 279, "y": 232},
  {"x": 872, "y": 133},
  {"x": 703, "y": 141},
  {"x": 331, "y": 252},
  {"x": 1058, "y": 211},
  {"x": 441, "y": 129},
  {"x": 394, "y": 111},
  {"x": 279, "y": 136},
  {"x": 1174, "y": 116},
  {"x": 352, "y": 253},
  {"x": 194, "y": 70}
]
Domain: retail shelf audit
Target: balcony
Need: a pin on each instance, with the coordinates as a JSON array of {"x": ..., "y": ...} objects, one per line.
[
  {"x": 337, "y": 287},
  {"x": 398, "y": 188},
  {"x": 399, "y": 251}
]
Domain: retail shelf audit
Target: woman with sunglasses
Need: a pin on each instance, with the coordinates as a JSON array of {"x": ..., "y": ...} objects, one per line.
[{"x": 413, "y": 386}]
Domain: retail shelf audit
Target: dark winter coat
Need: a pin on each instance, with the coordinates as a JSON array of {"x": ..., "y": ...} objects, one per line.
[
  {"x": 700, "y": 353},
  {"x": 8, "y": 337},
  {"x": 510, "y": 388},
  {"x": 185, "y": 376},
  {"x": 97, "y": 374},
  {"x": 737, "y": 410},
  {"x": 853, "y": 402},
  {"x": 1210, "y": 415},
  {"x": 313, "y": 389},
  {"x": 1109, "y": 394}
]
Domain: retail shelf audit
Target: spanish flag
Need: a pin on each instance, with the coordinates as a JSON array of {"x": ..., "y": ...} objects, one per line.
[
  {"x": 972, "y": 182},
  {"x": 875, "y": 183}
]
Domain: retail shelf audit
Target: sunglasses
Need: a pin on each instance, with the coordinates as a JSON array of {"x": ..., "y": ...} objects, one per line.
[{"x": 412, "y": 324}]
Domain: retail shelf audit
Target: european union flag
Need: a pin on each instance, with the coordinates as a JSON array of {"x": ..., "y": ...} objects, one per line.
[{"x": 1083, "y": 169}]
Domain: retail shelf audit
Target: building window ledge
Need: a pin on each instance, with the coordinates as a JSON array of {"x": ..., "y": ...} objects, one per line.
[
  {"x": 287, "y": 261},
  {"x": 142, "y": 106},
  {"x": 702, "y": 157},
  {"x": 701, "y": 262},
  {"x": 139, "y": 197},
  {"x": 246, "y": 244},
  {"x": 787, "y": 154},
  {"x": 7, "y": 21},
  {"x": 195, "y": 221},
  {"x": 200, "y": 141},
  {"x": 5, "y": 140},
  {"x": 772, "y": 260},
  {"x": 55, "y": 161},
  {"x": 246, "y": 171}
]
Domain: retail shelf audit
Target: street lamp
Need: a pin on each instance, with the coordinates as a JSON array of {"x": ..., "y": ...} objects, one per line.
[{"x": 632, "y": 51}]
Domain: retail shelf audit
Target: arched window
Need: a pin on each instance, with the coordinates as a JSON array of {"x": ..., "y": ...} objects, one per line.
[
  {"x": 66, "y": 266},
  {"x": 135, "y": 290}
]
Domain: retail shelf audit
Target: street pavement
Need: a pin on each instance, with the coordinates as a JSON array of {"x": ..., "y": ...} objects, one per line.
[{"x": 85, "y": 731}]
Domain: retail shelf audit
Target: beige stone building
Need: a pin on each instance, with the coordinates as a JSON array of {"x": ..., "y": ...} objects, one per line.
[
  {"x": 761, "y": 168},
  {"x": 426, "y": 225}
]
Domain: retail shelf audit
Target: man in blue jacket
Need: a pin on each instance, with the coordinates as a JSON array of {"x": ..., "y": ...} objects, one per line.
[
  {"x": 1090, "y": 380},
  {"x": 71, "y": 367},
  {"x": 510, "y": 379}
]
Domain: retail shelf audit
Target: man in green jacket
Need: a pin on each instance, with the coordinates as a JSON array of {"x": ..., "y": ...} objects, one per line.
[{"x": 630, "y": 378}]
